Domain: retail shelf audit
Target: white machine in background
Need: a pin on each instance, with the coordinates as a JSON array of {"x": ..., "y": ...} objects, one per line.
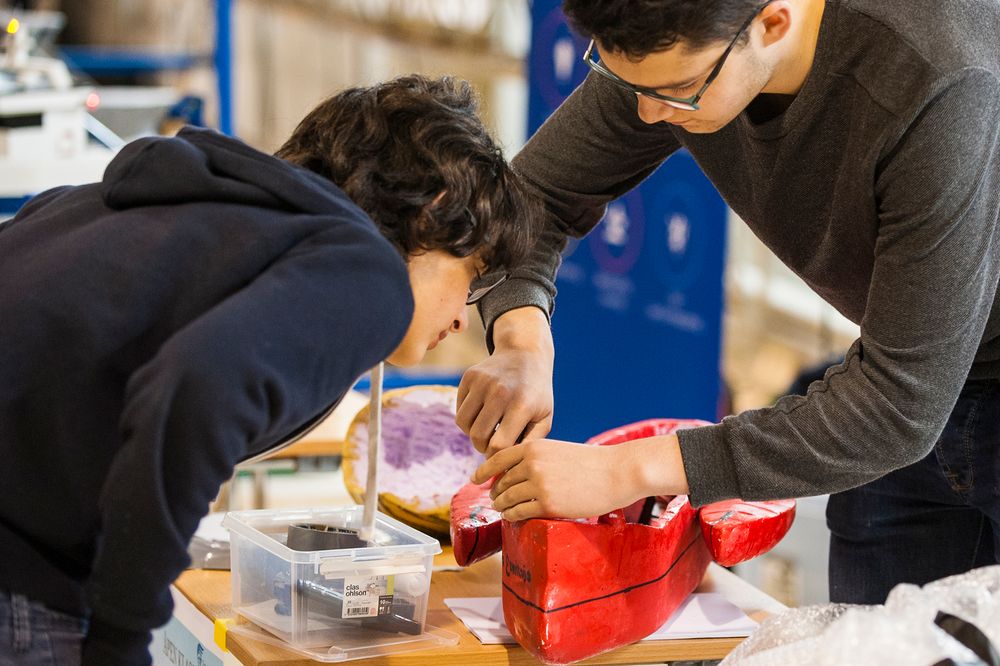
[{"x": 44, "y": 121}]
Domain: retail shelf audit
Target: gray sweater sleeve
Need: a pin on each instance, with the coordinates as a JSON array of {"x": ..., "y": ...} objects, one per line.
[
  {"x": 937, "y": 261},
  {"x": 568, "y": 163}
]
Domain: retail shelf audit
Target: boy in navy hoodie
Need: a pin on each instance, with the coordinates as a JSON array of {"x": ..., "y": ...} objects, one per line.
[{"x": 200, "y": 305}]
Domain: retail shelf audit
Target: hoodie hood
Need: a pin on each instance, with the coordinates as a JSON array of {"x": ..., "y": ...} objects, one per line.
[{"x": 200, "y": 165}]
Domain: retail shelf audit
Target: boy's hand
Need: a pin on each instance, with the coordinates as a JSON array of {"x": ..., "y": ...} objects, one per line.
[
  {"x": 509, "y": 395},
  {"x": 549, "y": 478}
]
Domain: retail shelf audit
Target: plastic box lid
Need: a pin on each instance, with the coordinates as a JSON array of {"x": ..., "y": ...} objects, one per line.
[{"x": 267, "y": 529}]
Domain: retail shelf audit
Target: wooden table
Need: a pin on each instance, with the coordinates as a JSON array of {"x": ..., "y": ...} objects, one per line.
[
  {"x": 311, "y": 446},
  {"x": 210, "y": 592}
]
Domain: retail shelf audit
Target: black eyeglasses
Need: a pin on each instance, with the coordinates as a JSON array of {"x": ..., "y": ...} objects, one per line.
[
  {"x": 683, "y": 103},
  {"x": 475, "y": 295}
]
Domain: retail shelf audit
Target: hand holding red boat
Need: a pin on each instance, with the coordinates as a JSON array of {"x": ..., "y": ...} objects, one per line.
[{"x": 550, "y": 478}]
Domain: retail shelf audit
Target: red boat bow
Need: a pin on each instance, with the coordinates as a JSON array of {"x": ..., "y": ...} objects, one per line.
[
  {"x": 475, "y": 525},
  {"x": 737, "y": 531}
]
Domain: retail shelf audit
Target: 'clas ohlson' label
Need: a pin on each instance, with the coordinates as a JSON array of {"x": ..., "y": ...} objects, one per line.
[{"x": 367, "y": 596}]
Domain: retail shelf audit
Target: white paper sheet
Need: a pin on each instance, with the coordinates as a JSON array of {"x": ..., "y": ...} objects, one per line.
[{"x": 703, "y": 615}]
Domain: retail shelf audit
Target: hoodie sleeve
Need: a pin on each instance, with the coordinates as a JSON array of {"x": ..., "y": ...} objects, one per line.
[{"x": 255, "y": 367}]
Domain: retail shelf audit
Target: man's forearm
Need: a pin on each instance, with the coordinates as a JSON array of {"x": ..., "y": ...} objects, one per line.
[{"x": 654, "y": 467}]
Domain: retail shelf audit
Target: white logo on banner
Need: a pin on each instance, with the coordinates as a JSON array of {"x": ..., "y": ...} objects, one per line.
[
  {"x": 563, "y": 58},
  {"x": 616, "y": 225},
  {"x": 678, "y": 233}
]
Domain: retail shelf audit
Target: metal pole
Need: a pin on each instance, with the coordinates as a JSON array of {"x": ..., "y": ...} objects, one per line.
[{"x": 223, "y": 59}]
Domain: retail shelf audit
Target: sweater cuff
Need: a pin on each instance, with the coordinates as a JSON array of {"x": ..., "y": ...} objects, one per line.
[
  {"x": 108, "y": 645},
  {"x": 516, "y": 293},
  {"x": 708, "y": 463}
]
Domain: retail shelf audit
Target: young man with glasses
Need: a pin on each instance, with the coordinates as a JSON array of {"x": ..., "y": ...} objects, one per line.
[{"x": 860, "y": 140}]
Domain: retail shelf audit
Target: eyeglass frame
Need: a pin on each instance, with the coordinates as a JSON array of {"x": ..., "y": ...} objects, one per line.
[
  {"x": 682, "y": 103},
  {"x": 476, "y": 295}
]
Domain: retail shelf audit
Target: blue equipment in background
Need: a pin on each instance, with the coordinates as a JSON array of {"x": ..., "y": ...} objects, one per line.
[{"x": 637, "y": 325}]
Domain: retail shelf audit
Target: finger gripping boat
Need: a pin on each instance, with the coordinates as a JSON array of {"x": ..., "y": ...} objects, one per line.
[{"x": 575, "y": 588}]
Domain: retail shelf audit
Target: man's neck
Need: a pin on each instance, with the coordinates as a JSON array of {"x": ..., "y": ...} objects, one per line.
[{"x": 794, "y": 67}]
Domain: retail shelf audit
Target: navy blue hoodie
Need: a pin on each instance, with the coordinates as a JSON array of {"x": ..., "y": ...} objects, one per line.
[{"x": 198, "y": 306}]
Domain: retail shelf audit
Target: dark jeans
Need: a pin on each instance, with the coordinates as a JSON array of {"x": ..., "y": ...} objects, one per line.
[
  {"x": 33, "y": 635},
  {"x": 937, "y": 517}
]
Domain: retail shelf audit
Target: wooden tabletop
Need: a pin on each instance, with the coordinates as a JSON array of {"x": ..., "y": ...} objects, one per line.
[
  {"x": 310, "y": 446},
  {"x": 210, "y": 592}
]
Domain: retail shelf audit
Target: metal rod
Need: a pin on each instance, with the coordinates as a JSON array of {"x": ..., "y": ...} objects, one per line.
[
  {"x": 223, "y": 58},
  {"x": 374, "y": 444}
]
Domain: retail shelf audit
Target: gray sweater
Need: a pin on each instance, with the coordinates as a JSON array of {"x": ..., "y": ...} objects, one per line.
[{"x": 879, "y": 186}]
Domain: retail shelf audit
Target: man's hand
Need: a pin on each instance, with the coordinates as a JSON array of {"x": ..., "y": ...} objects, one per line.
[
  {"x": 548, "y": 478},
  {"x": 509, "y": 395}
]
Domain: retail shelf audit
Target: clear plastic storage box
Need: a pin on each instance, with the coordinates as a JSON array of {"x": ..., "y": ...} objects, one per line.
[{"x": 351, "y": 601}]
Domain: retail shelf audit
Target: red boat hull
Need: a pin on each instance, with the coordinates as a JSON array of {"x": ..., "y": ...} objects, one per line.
[
  {"x": 572, "y": 590},
  {"x": 643, "y": 429}
]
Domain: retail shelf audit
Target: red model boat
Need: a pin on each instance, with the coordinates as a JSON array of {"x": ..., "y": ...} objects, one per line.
[{"x": 575, "y": 588}]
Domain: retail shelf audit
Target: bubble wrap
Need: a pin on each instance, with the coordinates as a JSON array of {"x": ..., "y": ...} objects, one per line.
[{"x": 900, "y": 632}]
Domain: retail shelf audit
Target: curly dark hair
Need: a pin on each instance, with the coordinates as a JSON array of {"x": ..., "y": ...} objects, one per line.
[
  {"x": 396, "y": 146},
  {"x": 637, "y": 28}
]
